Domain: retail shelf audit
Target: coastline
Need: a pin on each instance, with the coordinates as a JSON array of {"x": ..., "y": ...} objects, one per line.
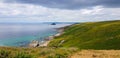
[{"x": 47, "y": 40}]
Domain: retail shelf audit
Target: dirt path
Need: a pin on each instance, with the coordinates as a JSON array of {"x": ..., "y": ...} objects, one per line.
[{"x": 97, "y": 54}]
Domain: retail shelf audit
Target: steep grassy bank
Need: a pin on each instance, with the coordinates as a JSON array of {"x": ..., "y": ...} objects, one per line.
[
  {"x": 47, "y": 52},
  {"x": 91, "y": 35}
]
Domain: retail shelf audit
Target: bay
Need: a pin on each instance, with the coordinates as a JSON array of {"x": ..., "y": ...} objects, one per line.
[{"x": 22, "y": 34}]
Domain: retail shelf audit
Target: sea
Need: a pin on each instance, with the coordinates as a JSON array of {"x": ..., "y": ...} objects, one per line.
[{"x": 21, "y": 34}]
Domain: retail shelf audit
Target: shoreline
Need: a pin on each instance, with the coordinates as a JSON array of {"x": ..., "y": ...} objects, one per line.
[
  {"x": 46, "y": 40},
  {"x": 43, "y": 43}
]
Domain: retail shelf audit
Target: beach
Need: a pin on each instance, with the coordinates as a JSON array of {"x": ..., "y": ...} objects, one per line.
[{"x": 46, "y": 40}]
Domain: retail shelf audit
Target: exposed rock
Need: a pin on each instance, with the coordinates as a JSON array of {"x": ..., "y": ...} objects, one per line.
[
  {"x": 46, "y": 41},
  {"x": 53, "y": 24},
  {"x": 61, "y": 42},
  {"x": 34, "y": 43}
]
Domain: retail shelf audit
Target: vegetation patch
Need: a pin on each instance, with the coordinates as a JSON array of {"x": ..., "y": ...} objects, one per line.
[{"x": 90, "y": 35}]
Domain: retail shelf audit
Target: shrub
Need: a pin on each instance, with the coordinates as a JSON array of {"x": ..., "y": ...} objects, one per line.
[
  {"x": 4, "y": 54},
  {"x": 23, "y": 55}
]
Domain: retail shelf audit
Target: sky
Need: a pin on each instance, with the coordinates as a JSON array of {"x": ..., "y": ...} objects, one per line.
[{"x": 59, "y": 10}]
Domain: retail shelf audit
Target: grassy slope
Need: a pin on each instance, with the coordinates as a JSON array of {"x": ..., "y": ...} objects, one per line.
[
  {"x": 91, "y": 35},
  {"x": 13, "y": 52}
]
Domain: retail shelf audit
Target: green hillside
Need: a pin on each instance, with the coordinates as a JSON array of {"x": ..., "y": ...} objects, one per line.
[{"x": 90, "y": 35}]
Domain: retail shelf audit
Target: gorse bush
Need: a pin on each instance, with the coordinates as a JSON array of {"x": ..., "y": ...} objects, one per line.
[
  {"x": 4, "y": 54},
  {"x": 7, "y": 53},
  {"x": 23, "y": 55},
  {"x": 56, "y": 52},
  {"x": 47, "y": 52}
]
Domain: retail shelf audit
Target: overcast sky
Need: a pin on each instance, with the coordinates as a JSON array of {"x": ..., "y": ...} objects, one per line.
[{"x": 59, "y": 10}]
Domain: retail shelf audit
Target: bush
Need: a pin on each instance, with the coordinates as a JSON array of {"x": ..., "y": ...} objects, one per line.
[
  {"x": 4, "y": 54},
  {"x": 23, "y": 55}
]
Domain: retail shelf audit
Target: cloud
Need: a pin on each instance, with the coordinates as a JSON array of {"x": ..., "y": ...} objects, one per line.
[
  {"x": 94, "y": 11},
  {"x": 19, "y": 12},
  {"x": 21, "y": 9},
  {"x": 70, "y": 4}
]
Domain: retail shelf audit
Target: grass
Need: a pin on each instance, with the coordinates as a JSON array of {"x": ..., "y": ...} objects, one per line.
[
  {"x": 90, "y": 35},
  {"x": 47, "y": 52}
]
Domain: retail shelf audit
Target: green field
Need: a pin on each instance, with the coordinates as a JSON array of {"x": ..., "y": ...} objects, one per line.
[{"x": 90, "y": 35}]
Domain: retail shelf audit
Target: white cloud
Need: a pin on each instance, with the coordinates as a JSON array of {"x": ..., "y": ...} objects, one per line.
[
  {"x": 35, "y": 13},
  {"x": 94, "y": 11},
  {"x": 20, "y": 9}
]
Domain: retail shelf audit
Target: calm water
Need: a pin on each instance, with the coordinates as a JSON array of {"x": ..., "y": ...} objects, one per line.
[{"x": 21, "y": 34}]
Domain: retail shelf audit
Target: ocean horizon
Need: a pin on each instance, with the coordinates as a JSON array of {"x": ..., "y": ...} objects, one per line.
[{"x": 22, "y": 34}]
